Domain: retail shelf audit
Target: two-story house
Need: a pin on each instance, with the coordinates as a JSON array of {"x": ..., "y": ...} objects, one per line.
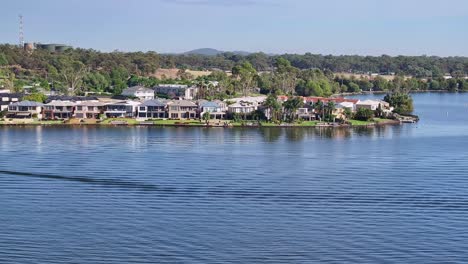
[
  {"x": 59, "y": 110},
  {"x": 124, "y": 109},
  {"x": 25, "y": 109},
  {"x": 182, "y": 109},
  {"x": 89, "y": 110},
  {"x": 216, "y": 111},
  {"x": 152, "y": 109}
]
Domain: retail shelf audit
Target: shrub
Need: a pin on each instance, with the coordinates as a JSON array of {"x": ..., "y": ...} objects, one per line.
[{"x": 364, "y": 114}]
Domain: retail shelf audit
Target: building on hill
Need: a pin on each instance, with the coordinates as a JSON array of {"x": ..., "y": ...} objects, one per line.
[
  {"x": 9, "y": 98},
  {"x": 177, "y": 91},
  {"x": 140, "y": 92},
  {"x": 49, "y": 47}
]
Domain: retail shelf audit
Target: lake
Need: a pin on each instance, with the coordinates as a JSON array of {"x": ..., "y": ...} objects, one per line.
[{"x": 392, "y": 194}]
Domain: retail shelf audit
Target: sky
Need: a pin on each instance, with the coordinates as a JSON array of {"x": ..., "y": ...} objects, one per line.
[{"x": 363, "y": 27}]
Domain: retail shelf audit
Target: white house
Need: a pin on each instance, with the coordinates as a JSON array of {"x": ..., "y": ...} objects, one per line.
[
  {"x": 122, "y": 109},
  {"x": 141, "y": 92},
  {"x": 372, "y": 104},
  {"x": 216, "y": 111}
]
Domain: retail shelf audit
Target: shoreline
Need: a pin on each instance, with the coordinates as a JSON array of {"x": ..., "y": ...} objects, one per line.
[{"x": 201, "y": 125}]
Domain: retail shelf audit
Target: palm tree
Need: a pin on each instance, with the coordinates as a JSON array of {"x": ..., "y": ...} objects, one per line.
[
  {"x": 330, "y": 107},
  {"x": 319, "y": 108},
  {"x": 273, "y": 106},
  {"x": 291, "y": 106}
]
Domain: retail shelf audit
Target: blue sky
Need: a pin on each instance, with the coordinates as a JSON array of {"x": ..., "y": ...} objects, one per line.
[{"x": 366, "y": 27}]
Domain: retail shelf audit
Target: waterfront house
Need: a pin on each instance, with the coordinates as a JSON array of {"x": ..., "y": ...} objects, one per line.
[
  {"x": 182, "y": 109},
  {"x": 242, "y": 107},
  {"x": 25, "y": 109},
  {"x": 372, "y": 104},
  {"x": 7, "y": 99},
  {"x": 59, "y": 110},
  {"x": 216, "y": 111},
  {"x": 152, "y": 109},
  {"x": 124, "y": 109},
  {"x": 89, "y": 110},
  {"x": 306, "y": 112},
  {"x": 140, "y": 92}
]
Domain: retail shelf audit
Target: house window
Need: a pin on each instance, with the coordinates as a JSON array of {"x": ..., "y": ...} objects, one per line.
[
  {"x": 79, "y": 108},
  {"x": 142, "y": 108},
  {"x": 174, "y": 115}
]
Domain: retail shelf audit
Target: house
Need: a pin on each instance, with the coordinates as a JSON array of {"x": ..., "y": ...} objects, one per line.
[
  {"x": 121, "y": 109},
  {"x": 89, "y": 110},
  {"x": 213, "y": 108},
  {"x": 152, "y": 109},
  {"x": 306, "y": 112},
  {"x": 372, "y": 104},
  {"x": 182, "y": 109},
  {"x": 7, "y": 99},
  {"x": 25, "y": 109},
  {"x": 141, "y": 92},
  {"x": 347, "y": 105},
  {"x": 59, "y": 110},
  {"x": 242, "y": 107},
  {"x": 177, "y": 90}
]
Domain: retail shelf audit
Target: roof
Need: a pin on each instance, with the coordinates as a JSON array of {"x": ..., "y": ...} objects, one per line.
[
  {"x": 92, "y": 104},
  {"x": 135, "y": 89},
  {"x": 27, "y": 103},
  {"x": 11, "y": 95},
  {"x": 154, "y": 102},
  {"x": 370, "y": 102},
  {"x": 182, "y": 103},
  {"x": 209, "y": 104},
  {"x": 70, "y": 98},
  {"x": 61, "y": 103}
]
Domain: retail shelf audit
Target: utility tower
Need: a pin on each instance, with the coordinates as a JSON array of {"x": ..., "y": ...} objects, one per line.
[{"x": 21, "y": 32}]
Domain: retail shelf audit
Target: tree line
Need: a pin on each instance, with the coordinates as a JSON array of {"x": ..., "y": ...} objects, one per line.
[{"x": 76, "y": 71}]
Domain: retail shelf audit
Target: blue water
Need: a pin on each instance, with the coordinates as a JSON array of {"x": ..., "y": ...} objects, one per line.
[{"x": 394, "y": 194}]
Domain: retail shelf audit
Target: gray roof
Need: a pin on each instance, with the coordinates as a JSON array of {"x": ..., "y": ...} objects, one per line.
[
  {"x": 135, "y": 89},
  {"x": 153, "y": 103},
  {"x": 209, "y": 104},
  {"x": 182, "y": 103},
  {"x": 27, "y": 103}
]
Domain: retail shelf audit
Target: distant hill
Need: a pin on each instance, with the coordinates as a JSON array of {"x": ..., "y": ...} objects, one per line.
[{"x": 213, "y": 52}]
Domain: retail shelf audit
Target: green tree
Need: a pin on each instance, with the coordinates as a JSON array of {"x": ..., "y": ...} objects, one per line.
[
  {"x": 274, "y": 107},
  {"x": 402, "y": 102},
  {"x": 36, "y": 97},
  {"x": 245, "y": 72},
  {"x": 291, "y": 106}
]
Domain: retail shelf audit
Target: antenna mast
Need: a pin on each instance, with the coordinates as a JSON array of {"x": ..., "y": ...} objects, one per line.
[{"x": 21, "y": 32}]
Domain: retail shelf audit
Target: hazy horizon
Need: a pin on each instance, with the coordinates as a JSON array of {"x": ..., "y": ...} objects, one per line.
[{"x": 337, "y": 27}]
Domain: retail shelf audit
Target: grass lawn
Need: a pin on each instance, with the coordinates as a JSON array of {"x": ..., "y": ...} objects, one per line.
[
  {"x": 129, "y": 121},
  {"x": 309, "y": 123},
  {"x": 47, "y": 122},
  {"x": 360, "y": 123}
]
